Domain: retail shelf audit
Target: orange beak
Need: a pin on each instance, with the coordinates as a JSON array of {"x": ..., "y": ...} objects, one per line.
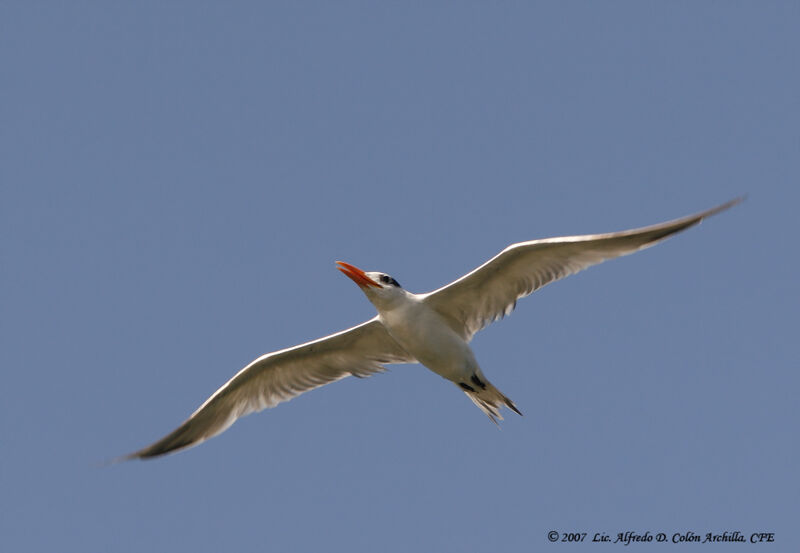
[{"x": 357, "y": 275}]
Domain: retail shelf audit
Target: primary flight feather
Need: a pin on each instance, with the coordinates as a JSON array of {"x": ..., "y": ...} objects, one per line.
[{"x": 433, "y": 329}]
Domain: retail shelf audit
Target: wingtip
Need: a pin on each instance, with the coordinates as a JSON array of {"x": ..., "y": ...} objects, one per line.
[
  {"x": 722, "y": 207},
  {"x": 118, "y": 460}
]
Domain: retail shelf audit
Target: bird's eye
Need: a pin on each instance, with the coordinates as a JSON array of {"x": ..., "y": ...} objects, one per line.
[{"x": 385, "y": 279}]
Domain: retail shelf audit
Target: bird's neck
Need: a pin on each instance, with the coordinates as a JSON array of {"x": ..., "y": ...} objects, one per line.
[{"x": 398, "y": 301}]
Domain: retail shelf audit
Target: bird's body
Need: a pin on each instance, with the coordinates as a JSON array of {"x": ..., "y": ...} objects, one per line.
[
  {"x": 425, "y": 336},
  {"x": 433, "y": 329}
]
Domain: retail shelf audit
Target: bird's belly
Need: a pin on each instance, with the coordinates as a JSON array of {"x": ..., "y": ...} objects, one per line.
[{"x": 433, "y": 344}]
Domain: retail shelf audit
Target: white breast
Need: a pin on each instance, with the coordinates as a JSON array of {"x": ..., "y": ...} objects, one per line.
[{"x": 423, "y": 333}]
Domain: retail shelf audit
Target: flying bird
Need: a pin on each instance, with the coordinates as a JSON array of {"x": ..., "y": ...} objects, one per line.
[{"x": 433, "y": 329}]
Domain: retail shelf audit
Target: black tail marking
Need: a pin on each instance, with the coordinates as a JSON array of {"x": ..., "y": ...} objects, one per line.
[{"x": 478, "y": 381}]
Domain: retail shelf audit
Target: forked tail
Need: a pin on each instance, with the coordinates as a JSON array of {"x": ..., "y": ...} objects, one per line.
[{"x": 488, "y": 398}]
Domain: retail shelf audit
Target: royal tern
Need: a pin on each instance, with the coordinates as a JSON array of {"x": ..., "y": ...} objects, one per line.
[{"x": 433, "y": 329}]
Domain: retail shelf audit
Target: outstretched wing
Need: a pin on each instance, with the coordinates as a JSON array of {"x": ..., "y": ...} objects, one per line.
[
  {"x": 282, "y": 375},
  {"x": 492, "y": 290}
]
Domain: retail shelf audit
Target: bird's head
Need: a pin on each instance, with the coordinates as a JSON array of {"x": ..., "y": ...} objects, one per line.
[{"x": 381, "y": 289}]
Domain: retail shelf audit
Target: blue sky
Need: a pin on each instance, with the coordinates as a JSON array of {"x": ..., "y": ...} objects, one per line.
[{"x": 179, "y": 178}]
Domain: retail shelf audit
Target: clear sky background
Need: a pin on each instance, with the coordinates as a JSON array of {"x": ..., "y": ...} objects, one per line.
[{"x": 178, "y": 179}]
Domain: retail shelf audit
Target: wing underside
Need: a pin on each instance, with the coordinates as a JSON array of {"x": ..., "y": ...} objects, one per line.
[
  {"x": 280, "y": 376},
  {"x": 492, "y": 290}
]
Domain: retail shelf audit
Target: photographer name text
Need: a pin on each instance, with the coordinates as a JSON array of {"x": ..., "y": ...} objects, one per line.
[{"x": 630, "y": 537}]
